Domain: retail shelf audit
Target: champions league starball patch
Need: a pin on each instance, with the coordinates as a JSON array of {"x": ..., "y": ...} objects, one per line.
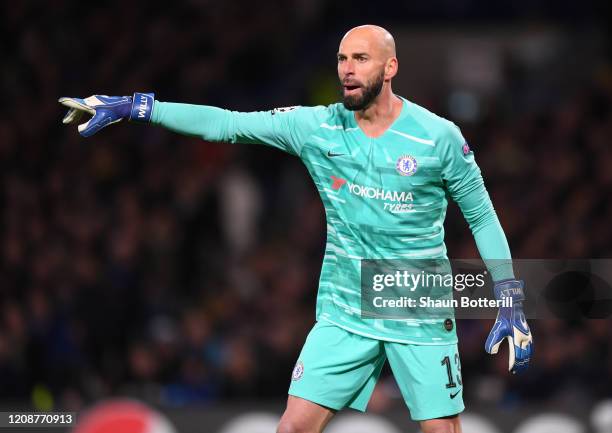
[
  {"x": 406, "y": 165},
  {"x": 298, "y": 371},
  {"x": 283, "y": 109}
]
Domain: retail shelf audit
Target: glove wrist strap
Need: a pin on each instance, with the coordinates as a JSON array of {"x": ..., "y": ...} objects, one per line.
[
  {"x": 509, "y": 288},
  {"x": 142, "y": 107}
]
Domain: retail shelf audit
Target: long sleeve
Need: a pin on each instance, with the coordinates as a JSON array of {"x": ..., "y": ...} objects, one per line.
[
  {"x": 490, "y": 238},
  {"x": 286, "y": 129},
  {"x": 465, "y": 185}
]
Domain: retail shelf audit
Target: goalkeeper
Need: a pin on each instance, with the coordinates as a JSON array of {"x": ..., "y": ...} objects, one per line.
[{"x": 384, "y": 168}]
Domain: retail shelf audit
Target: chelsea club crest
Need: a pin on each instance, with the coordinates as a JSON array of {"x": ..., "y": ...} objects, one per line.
[{"x": 406, "y": 165}]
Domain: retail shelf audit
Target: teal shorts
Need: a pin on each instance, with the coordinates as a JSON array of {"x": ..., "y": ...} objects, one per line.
[{"x": 339, "y": 369}]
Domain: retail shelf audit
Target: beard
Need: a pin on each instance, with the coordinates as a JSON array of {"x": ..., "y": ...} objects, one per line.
[{"x": 368, "y": 94}]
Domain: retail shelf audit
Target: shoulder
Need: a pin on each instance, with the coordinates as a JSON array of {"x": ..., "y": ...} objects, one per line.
[
  {"x": 441, "y": 131},
  {"x": 307, "y": 115},
  {"x": 331, "y": 117},
  {"x": 333, "y": 114},
  {"x": 306, "y": 112}
]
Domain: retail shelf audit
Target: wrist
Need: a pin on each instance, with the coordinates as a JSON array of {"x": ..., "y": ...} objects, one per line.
[
  {"x": 509, "y": 289},
  {"x": 142, "y": 107}
]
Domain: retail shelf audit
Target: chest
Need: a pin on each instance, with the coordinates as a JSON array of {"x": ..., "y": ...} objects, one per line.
[{"x": 392, "y": 160}]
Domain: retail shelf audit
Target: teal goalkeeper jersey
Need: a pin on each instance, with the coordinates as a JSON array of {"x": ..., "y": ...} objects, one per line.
[{"x": 384, "y": 197}]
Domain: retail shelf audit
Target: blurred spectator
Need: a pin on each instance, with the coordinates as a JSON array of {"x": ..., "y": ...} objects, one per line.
[{"x": 143, "y": 263}]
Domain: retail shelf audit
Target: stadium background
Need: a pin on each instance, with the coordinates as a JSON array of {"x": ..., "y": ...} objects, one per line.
[{"x": 183, "y": 274}]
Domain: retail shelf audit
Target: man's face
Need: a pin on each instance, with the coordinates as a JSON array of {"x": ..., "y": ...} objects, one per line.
[{"x": 361, "y": 71}]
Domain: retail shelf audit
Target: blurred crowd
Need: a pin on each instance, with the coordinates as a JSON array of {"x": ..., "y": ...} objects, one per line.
[{"x": 143, "y": 263}]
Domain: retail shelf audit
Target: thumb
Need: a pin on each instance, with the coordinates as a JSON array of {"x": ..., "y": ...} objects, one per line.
[
  {"x": 511, "y": 353},
  {"x": 495, "y": 338},
  {"x": 77, "y": 108},
  {"x": 93, "y": 125},
  {"x": 97, "y": 122},
  {"x": 73, "y": 116}
]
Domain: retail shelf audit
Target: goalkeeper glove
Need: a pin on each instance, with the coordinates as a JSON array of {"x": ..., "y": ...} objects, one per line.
[
  {"x": 105, "y": 110},
  {"x": 511, "y": 324}
]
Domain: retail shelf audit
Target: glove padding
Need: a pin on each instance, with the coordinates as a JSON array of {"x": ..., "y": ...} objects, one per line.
[
  {"x": 510, "y": 324},
  {"x": 106, "y": 110}
]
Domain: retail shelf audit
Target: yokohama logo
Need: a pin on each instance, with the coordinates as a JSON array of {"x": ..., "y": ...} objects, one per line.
[{"x": 371, "y": 192}]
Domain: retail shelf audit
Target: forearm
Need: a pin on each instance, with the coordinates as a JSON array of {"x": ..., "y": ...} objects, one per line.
[
  {"x": 216, "y": 124},
  {"x": 489, "y": 236},
  {"x": 494, "y": 250},
  {"x": 209, "y": 123}
]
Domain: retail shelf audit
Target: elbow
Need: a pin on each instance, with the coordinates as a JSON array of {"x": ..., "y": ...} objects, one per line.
[{"x": 481, "y": 217}]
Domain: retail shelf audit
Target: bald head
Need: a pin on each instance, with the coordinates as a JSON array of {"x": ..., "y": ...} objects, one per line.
[{"x": 379, "y": 40}]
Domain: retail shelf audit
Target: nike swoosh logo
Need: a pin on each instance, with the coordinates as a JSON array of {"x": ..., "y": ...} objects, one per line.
[
  {"x": 454, "y": 395},
  {"x": 331, "y": 154}
]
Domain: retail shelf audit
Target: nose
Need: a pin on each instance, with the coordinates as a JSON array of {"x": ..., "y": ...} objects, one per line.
[{"x": 346, "y": 68}]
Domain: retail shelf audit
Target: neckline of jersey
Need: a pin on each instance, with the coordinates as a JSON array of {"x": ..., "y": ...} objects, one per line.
[{"x": 402, "y": 115}]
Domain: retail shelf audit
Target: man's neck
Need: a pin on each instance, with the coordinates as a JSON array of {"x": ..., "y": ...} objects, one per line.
[{"x": 376, "y": 119}]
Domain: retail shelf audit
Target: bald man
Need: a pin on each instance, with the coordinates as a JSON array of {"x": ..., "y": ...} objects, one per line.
[{"x": 384, "y": 167}]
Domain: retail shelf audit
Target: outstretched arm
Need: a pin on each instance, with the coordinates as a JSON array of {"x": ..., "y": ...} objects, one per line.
[
  {"x": 275, "y": 128},
  {"x": 283, "y": 128}
]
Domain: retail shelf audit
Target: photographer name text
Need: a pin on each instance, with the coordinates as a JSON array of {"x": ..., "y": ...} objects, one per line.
[{"x": 427, "y": 302}]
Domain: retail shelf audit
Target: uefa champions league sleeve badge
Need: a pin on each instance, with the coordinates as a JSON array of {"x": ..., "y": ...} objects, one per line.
[
  {"x": 298, "y": 371},
  {"x": 406, "y": 165}
]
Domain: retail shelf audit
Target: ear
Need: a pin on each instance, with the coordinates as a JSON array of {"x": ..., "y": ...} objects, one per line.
[{"x": 391, "y": 67}]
